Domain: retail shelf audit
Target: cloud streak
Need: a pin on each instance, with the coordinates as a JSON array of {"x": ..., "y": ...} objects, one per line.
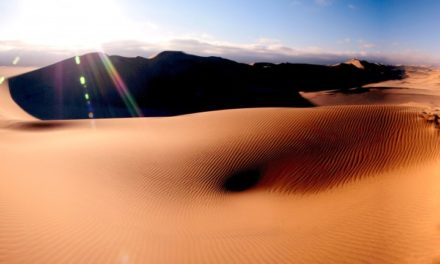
[
  {"x": 267, "y": 50},
  {"x": 352, "y": 7}
]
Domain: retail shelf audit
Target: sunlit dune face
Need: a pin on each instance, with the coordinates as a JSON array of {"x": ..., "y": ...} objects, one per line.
[{"x": 71, "y": 24}]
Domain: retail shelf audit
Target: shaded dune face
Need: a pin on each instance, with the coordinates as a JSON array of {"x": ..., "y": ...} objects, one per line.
[
  {"x": 349, "y": 144},
  {"x": 254, "y": 185},
  {"x": 308, "y": 151}
]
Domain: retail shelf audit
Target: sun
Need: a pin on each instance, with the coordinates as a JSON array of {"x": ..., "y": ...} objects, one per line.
[{"x": 72, "y": 23}]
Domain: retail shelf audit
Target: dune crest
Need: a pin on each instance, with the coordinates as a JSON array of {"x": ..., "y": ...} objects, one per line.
[{"x": 357, "y": 63}]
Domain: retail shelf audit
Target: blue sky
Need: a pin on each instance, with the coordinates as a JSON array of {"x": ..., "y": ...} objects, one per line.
[
  {"x": 321, "y": 31},
  {"x": 295, "y": 22}
]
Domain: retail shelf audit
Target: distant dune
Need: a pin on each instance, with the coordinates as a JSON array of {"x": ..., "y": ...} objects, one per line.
[
  {"x": 174, "y": 83},
  {"x": 419, "y": 87},
  {"x": 425, "y": 78},
  {"x": 333, "y": 184}
]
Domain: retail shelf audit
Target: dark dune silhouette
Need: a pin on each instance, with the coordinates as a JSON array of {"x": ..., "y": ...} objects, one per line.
[{"x": 173, "y": 83}]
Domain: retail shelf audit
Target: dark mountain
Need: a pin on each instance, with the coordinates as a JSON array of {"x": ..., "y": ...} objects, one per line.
[{"x": 175, "y": 83}]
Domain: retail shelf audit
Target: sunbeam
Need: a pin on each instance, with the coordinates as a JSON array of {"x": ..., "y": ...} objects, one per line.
[{"x": 122, "y": 89}]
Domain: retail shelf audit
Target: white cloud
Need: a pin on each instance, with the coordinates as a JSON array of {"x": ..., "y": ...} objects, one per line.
[
  {"x": 368, "y": 45},
  {"x": 352, "y": 7},
  {"x": 365, "y": 44},
  {"x": 151, "y": 26},
  {"x": 323, "y": 2},
  {"x": 345, "y": 41}
]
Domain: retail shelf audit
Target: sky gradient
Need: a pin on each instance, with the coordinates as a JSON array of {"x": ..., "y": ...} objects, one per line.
[{"x": 316, "y": 31}]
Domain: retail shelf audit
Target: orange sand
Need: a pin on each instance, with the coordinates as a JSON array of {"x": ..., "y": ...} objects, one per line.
[{"x": 345, "y": 184}]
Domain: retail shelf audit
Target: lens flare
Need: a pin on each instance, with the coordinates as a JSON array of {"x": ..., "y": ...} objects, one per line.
[
  {"x": 2, "y": 79},
  {"x": 82, "y": 80},
  {"x": 121, "y": 87},
  {"x": 87, "y": 97},
  {"x": 16, "y": 60}
]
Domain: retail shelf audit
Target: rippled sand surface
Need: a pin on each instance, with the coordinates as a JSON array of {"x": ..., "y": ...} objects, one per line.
[{"x": 342, "y": 184}]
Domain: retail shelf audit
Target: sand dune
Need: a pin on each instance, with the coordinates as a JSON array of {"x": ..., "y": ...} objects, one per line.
[
  {"x": 355, "y": 184},
  {"x": 424, "y": 78},
  {"x": 9, "y": 110},
  {"x": 420, "y": 87},
  {"x": 175, "y": 83},
  {"x": 355, "y": 62}
]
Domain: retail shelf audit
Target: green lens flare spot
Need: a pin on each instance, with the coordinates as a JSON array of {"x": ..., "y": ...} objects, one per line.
[
  {"x": 82, "y": 80},
  {"x": 87, "y": 96},
  {"x": 77, "y": 60},
  {"x": 2, "y": 79}
]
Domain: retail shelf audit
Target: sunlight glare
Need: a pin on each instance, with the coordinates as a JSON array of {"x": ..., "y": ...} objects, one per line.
[{"x": 74, "y": 24}]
